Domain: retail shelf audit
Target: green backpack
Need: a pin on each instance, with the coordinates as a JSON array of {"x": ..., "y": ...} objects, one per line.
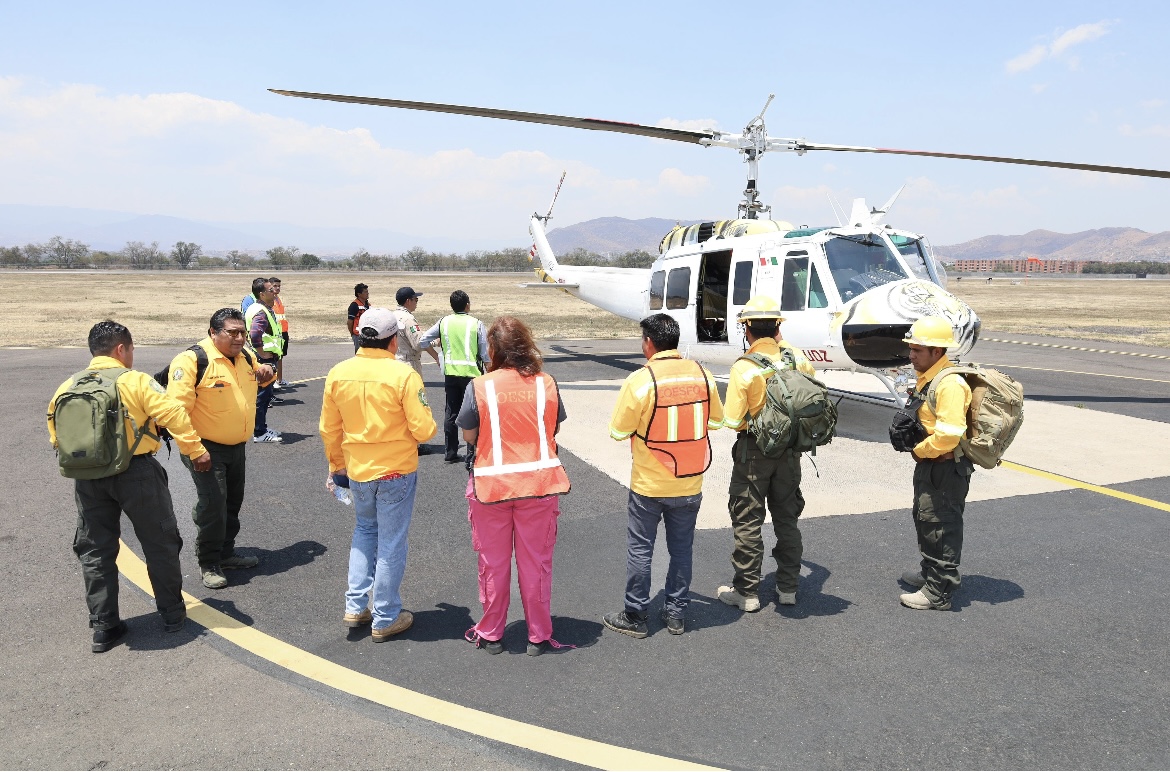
[
  {"x": 995, "y": 416},
  {"x": 797, "y": 414},
  {"x": 90, "y": 423}
]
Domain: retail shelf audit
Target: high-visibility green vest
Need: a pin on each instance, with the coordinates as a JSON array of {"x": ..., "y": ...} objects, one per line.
[
  {"x": 273, "y": 342},
  {"x": 459, "y": 337}
]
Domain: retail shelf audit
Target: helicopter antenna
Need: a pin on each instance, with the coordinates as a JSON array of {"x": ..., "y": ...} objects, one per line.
[
  {"x": 753, "y": 145},
  {"x": 556, "y": 193},
  {"x": 877, "y": 214},
  {"x": 835, "y": 206}
]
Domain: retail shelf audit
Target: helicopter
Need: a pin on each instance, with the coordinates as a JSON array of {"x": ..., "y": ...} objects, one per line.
[{"x": 849, "y": 292}]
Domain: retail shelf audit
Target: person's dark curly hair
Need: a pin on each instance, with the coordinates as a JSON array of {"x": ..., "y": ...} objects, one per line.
[{"x": 511, "y": 346}]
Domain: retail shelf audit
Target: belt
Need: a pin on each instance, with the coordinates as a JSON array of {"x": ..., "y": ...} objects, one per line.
[
  {"x": 391, "y": 476},
  {"x": 939, "y": 459}
]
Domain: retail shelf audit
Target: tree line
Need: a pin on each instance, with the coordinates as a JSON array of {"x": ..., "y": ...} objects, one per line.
[{"x": 59, "y": 252}]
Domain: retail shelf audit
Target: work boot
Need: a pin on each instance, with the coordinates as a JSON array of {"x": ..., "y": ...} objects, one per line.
[
  {"x": 175, "y": 624},
  {"x": 913, "y": 578},
  {"x": 536, "y": 649},
  {"x": 675, "y": 624},
  {"x": 213, "y": 578},
  {"x": 104, "y": 640},
  {"x": 626, "y": 623},
  {"x": 786, "y": 598},
  {"x": 403, "y": 622},
  {"x": 732, "y": 597},
  {"x": 919, "y": 601},
  {"x": 358, "y": 620},
  {"x": 239, "y": 561}
]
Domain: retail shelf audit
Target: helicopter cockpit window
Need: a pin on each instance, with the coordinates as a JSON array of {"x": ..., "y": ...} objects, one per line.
[
  {"x": 860, "y": 263},
  {"x": 915, "y": 254},
  {"x": 678, "y": 289},
  {"x": 657, "y": 285}
]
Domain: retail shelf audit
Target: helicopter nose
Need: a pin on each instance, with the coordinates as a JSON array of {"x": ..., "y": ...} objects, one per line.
[{"x": 874, "y": 325}]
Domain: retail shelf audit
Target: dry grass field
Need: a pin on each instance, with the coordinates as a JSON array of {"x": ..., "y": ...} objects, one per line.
[{"x": 48, "y": 308}]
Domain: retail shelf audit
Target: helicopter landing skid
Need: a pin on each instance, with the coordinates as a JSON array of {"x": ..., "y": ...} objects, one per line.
[{"x": 896, "y": 399}]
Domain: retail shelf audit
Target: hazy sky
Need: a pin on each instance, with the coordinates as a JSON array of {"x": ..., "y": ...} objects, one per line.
[{"x": 162, "y": 108}]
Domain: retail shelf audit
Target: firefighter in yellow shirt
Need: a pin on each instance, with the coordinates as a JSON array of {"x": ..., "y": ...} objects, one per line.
[
  {"x": 140, "y": 491},
  {"x": 222, "y": 404},
  {"x": 942, "y": 476},
  {"x": 665, "y": 410},
  {"x": 757, "y": 480},
  {"x": 374, "y": 413}
]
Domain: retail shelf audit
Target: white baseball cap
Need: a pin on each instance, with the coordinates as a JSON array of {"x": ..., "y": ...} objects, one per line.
[{"x": 377, "y": 324}]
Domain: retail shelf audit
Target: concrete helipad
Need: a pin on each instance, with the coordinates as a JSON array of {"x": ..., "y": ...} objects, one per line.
[{"x": 1052, "y": 658}]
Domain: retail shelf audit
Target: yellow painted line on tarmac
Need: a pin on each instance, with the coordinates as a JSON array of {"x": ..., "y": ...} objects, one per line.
[
  {"x": 1087, "y": 486},
  {"x": 548, "y": 742},
  {"x": 1079, "y": 348},
  {"x": 309, "y": 380},
  {"x": 1076, "y": 372}
]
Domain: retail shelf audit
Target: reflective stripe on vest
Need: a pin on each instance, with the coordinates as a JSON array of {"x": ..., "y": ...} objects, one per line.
[
  {"x": 278, "y": 311},
  {"x": 516, "y": 456},
  {"x": 677, "y": 432},
  {"x": 272, "y": 342},
  {"x": 459, "y": 337}
]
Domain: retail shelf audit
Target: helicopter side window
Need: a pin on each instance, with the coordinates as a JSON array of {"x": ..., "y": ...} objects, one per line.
[
  {"x": 657, "y": 285},
  {"x": 860, "y": 263},
  {"x": 742, "y": 291},
  {"x": 795, "y": 287},
  {"x": 678, "y": 289},
  {"x": 816, "y": 293},
  {"x": 914, "y": 253}
]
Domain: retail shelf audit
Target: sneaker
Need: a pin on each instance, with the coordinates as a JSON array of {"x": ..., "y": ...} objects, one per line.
[
  {"x": 284, "y": 384},
  {"x": 675, "y": 625},
  {"x": 626, "y": 623},
  {"x": 213, "y": 578},
  {"x": 786, "y": 598},
  {"x": 268, "y": 436},
  {"x": 913, "y": 578},
  {"x": 358, "y": 620},
  {"x": 403, "y": 622},
  {"x": 176, "y": 624},
  {"x": 536, "y": 649},
  {"x": 239, "y": 561},
  {"x": 919, "y": 602},
  {"x": 275, "y": 400},
  {"x": 491, "y": 647},
  {"x": 731, "y": 597},
  {"x": 104, "y": 640}
]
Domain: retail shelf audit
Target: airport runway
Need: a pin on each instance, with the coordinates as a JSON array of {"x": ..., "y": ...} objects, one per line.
[{"x": 1054, "y": 656}]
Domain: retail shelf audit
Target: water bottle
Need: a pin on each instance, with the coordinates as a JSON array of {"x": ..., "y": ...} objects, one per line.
[{"x": 339, "y": 484}]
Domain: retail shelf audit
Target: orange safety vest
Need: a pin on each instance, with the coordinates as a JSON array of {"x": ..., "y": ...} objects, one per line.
[
  {"x": 278, "y": 311},
  {"x": 677, "y": 432},
  {"x": 516, "y": 454}
]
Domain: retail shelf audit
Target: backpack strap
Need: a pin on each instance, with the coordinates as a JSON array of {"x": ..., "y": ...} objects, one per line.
[
  {"x": 201, "y": 362},
  {"x": 932, "y": 387}
]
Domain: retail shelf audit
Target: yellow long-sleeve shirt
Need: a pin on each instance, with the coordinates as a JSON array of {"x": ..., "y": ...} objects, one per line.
[
  {"x": 947, "y": 426},
  {"x": 631, "y": 416},
  {"x": 748, "y": 382},
  {"x": 143, "y": 399},
  {"x": 373, "y": 416},
  {"x": 223, "y": 405}
]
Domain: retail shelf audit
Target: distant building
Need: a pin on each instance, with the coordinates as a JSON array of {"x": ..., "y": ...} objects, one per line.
[{"x": 1021, "y": 265}]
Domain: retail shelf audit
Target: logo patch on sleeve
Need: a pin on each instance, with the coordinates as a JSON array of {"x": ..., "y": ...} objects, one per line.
[
  {"x": 422, "y": 397},
  {"x": 155, "y": 385},
  {"x": 177, "y": 374}
]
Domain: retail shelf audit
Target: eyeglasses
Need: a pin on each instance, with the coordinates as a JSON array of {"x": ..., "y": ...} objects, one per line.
[{"x": 234, "y": 333}]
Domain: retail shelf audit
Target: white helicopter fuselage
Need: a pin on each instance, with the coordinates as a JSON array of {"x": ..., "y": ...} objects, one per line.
[{"x": 849, "y": 294}]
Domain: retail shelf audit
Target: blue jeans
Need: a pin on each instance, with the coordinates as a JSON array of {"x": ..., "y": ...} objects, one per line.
[
  {"x": 678, "y": 513},
  {"x": 377, "y": 555},
  {"x": 263, "y": 397}
]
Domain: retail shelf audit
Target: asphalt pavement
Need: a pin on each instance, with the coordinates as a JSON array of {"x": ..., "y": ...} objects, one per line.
[{"x": 1053, "y": 656}]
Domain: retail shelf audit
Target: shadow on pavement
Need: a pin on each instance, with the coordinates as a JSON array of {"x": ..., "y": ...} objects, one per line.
[
  {"x": 228, "y": 607},
  {"x": 703, "y": 611},
  {"x": 290, "y": 438},
  {"x": 274, "y": 562},
  {"x": 984, "y": 589},
  {"x": 444, "y": 622},
  {"x": 146, "y": 634},
  {"x": 812, "y": 601}
]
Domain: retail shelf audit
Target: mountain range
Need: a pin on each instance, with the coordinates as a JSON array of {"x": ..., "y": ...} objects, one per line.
[{"x": 110, "y": 230}]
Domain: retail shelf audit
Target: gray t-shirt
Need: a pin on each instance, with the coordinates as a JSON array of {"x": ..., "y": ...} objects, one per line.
[{"x": 468, "y": 417}]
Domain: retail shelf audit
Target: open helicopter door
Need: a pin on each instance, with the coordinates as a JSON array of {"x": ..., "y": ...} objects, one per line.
[{"x": 673, "y": 290}]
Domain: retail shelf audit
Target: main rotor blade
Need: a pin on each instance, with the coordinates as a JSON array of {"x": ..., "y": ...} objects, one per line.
[
  {"x": 594, "y": 124},
  {"x": 995, "y": 159}
]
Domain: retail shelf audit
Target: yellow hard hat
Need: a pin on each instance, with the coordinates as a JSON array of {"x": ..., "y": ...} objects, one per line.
[
  {"x": 932, "y": 331},
  {"x": 760, "y": 307}
]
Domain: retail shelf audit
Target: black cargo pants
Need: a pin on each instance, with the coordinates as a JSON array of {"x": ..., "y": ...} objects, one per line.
[
  {"x": 142, "y": 493},
  {"x": 454, "y": 387},
  {"x": 940, "y": 496},
  {"x": 756, "y": 481},
  {"x": 221, "y": 494}
]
